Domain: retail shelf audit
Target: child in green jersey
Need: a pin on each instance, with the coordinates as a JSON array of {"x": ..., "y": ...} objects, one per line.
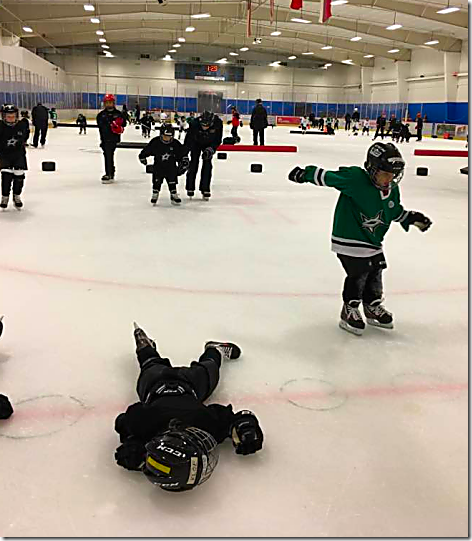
[{"x": 369, "y": 202}]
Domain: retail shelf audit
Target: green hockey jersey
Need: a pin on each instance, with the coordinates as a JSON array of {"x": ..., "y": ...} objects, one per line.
[{"x": 363, "y": 213}]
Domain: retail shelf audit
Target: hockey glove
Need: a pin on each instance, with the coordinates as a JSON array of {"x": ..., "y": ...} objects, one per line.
[
  {"x": 143, "y": 161},
  {"x": 117, "y": 126},
  {"x": 184, "y": 164},
  {"x": 207, "y": 154},
  {"x": 422, "y": 222},
  {"x": 246, "y": 433},
  {"x": 6, "y": 409},
  {"x": 297, "y": 175},
  {"x": 131, "y": 454},
  {"x": 1, "y": 325}
]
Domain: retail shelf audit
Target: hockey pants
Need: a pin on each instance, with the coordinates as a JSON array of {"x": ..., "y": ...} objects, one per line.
[
  {"x": 364, "y": 278},
  {"x": 12, "y": 178}
]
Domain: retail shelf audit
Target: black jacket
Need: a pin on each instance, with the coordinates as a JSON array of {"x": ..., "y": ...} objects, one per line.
[
  {"x": 356, "y": 116},
  {"x": 419, "y": 123},
  {"x": 381, "y": 121},
  {"x": 40, "y": 115},
  {"x": 166, "y": 156},
  {"x": 258, "y": 118},
  {"x": 347, "y": 118},
  {"x": 147, "y": 121},
  {"x": 81, "y": 120},
  {"x": 198, "y": 138},
  {"x": 104, "y": 120}
]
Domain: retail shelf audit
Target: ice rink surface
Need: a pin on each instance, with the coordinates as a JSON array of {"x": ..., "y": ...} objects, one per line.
[{"x": 363, "y": 436}]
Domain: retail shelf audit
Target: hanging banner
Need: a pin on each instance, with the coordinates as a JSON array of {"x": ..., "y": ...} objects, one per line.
[
  {"x": 271, "y": 10},
  {"x": 296, "y": 4},
  {"x": 248, "y": 19},
  {"x": 325, "y": 10}
]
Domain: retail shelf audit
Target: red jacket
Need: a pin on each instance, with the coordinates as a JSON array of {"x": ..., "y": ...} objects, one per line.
[{"x": 235, "y": 119}]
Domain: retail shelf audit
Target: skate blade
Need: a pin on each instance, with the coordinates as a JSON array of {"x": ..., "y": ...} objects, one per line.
[
  {"x": 376, "y": 323},
  {"x": 175, "y": 203},
  {"x": 345, "y": 327}
]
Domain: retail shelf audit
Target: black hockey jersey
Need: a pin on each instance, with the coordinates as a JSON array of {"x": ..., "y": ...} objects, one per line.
[
  {"x": 13, "y": 138},
  {"x": 104, "y": 120},
  {"x": 166, "y": 155}
]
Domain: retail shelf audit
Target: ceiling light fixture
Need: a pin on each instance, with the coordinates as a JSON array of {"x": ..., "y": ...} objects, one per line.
[
  {"x": 233, "y": 53},
  {"x": 172, "y": 51},
  {"x": 275, "y": 33},
  {"x": 348, "y": 61},
  {"x": 105, "y": 46},
  {"x": 368, "y": 56},
  {"x": 326, "y": 47},
  {"x": 339, "y": 2},
  {"x": 222, "y": 61},
  {"x": 201, "y": 16},
  {"x": 94, "y": 20},
  {"x": 308, "y": 52},
  {"x": 328, "y": 65},
  {"x": 99, "y": 32},
  {"x": 297, "y": 20},
  {"x": 244, "y": 49},
  {"x": 432, "y": 42},
  {"x": 89, "y": 7},
  {"x": 102, "y": 40},
  {"x": 275, "y": 64},
  {"x": 447, "y": 10},
  {"x": 176, "y": 45},
  {"x": 356, "y": 38},
  {"x": 182, "y": 40},
  {"x": 292, "y": 57},
  {"x": 394, "y": 50},
  {"x": 27, "y": 29},
  {"x": 167, "y": 57},
  {"x": 190, "y": 29},
  {"x": 394, "y": 27}
]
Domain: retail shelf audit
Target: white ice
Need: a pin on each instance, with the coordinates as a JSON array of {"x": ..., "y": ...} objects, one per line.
[{"x": 363, "y": 436}]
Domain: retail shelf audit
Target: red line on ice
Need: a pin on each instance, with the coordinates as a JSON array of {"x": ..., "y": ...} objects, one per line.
[{"x": 178, "y": 289}]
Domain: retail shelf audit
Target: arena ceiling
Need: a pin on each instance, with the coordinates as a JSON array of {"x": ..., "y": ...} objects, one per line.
[{"x": 149, "y": 24}]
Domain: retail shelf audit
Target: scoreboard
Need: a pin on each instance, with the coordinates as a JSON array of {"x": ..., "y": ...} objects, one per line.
[{"x": 209, "y": 72}]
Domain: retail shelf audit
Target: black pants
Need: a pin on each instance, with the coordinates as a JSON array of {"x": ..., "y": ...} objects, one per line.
[
  {"x": 258, "y": 134},
  {"x": 201, "y": 376},
  {"x": 82, "y": 128},
  {"x": 381, "y": 130},
  {"x": 157, "y": 181},
  {"x": 205, "y": 178},
  {"x": 419, "y": 134},
  {"x": 54, "y": 123},
  {"x": 348, "y": 125},
  {"x": 395, "y": 136},
  {"x": 364, "y": 278},
  {"x": 109, "y": 148},
  {"x": 40, "y": 130},
  {"x": 407, "y": 137},
  {"x": 365, "y": 129},
  {"x": 234, "y": 132},
  {"x": 146, "y": 130},
  {"x": 10, "y": 180}
]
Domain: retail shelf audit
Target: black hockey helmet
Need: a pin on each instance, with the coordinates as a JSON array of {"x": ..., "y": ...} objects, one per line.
[
  {"x": 180, "y": 458},
  {"x": 206, "y": 118},
  {"x": 166, "y": 130},
  {"x": 384, "y": 157},
  {"x": 9, "y": 109}
]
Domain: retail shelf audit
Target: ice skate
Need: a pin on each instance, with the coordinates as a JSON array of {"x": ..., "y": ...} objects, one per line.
[
  {"x": 228, "y": 350},
  {"x": 206, "y": 196},
  {"x": 4, "y": 202},
  {"x": 378, "y": 316},
  {"x": 141, "y": 338},
  {"x": 175, "y": 198},
  {"x": 17, "y": 201},
  {"x": 351, "y": 318},
  {"x": 190, "y": 194},
  {"x": 107, "y": 179},
  {"x": 155, "y": 197}
]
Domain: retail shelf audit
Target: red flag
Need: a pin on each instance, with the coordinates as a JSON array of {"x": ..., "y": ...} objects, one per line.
[
  {"x": 296, "y": 4},
  {"x": 325, "y": 11},
  {"x": 248, "y": 19}
]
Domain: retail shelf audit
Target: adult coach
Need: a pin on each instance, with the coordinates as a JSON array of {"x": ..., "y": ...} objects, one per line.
[
  {"x": 258, "y": 122},
  {"x": 40, "y": 116}
]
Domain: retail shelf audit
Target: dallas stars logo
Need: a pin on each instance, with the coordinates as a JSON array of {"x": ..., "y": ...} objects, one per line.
[
  {"x": 166, "y": 156},
  {"x": 371, "y": 224},
  {"x": 12, "y": 142}
]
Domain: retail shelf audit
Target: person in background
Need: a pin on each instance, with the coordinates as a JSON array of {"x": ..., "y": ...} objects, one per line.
[
  {"x": 125, "y": 112},
  {"x": 40, "y": 122},
  {"x": 419, "y": 127},
  {"x": 163, "y": 116},
  {"x": 137, "y": 113},
  {"x": 312, "y": 119},
  {"x": 53, "y": 116},
  {"x": 336, "y": 123},
  {"x": 365, "y": 127},
  {"x": 235, "y": 123},
  {"x": 82, "y": 123},
  {"x": 405, "y": 133},
  {"x": 6, "y": 409},
  {"x": 355, "y": 115},
  {"x": 190, "y": 119},
  {"x": 347, "y": 119},
  {"x": 258, "y": 122},
  {"x": 111, "y": 124},
  {"x": 146, "y": 124},
  {"x": 381, "y": 122},
  {"x": 321, "y": 123},
  {"x": 304, "y": 124}
]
